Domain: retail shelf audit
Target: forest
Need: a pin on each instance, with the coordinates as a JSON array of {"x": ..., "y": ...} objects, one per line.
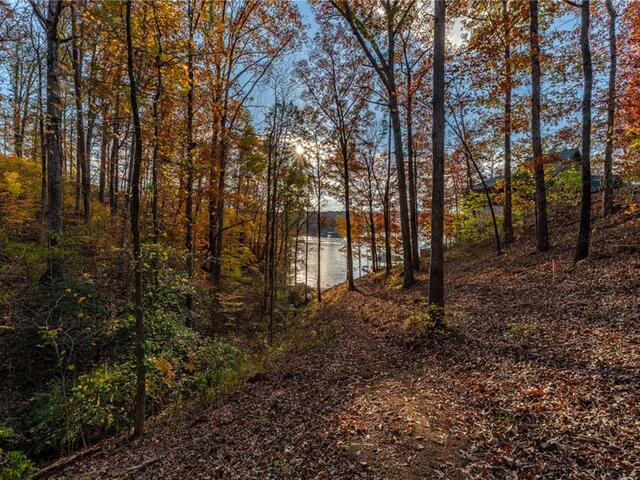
[{"x": 319, "y": 239}]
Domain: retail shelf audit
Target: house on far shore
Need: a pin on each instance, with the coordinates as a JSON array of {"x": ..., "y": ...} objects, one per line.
[{"x": 561, "y": 161}]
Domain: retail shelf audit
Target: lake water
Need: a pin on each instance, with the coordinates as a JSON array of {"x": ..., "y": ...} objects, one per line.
[{"x": 333, "y": 261}]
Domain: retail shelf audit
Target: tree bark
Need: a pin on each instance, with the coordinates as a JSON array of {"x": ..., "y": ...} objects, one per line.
[
  {"x": 607, "y": 199},
  {"x": 407, "y": 277},
  {"x": 189, "y": 220},
  {"x": 81, "y": 148},
  {"x": 372, "y": 225},
  {"x": 43, "y": 152},
  {"x": 54, "y": 149},
  {"x": 306, "y": 253},
  {"x": 542, "y": 233},
  {"x": 508, "y": 218},
  {"x": 155, "y": 220},
  {"x": 413, "y": 194},
  {"x": 138, "y": 425},
  {"x": 319, "y": 225},
  {"x": 584, "y": 233},
  {"x": 104, "y": 143},
  {"x": 436, "y": 271},
  {"x": 347, "y": 213},
  {"x": 113, "y": 160},
  {"x": 387, "y": 211}
]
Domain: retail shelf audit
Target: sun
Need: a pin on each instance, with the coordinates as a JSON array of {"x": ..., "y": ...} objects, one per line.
[{"x": 299, "y": 149}]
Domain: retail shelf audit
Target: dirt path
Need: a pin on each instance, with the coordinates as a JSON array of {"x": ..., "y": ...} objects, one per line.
[
  {"x": 339, "y": 410},
  {"x": 538, "y": 376}
]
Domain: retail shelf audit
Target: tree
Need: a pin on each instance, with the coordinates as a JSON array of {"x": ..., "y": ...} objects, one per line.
[
  {"x": 607, "y": 198},
  {"x": 436, "y": 269},
  {"x": 542, "y": 233},
  {"x": 394, "y": 14},
  {"x": 77, "y": 60},
  {"x": 22, "y": 70},
  {"x": 336, "y": 85},
  {"x": 584, "y": 233},
  {"x": 245, "y": 39},
  {"x": 413, "y": 56},
  {"x": 138, "y": 425},
  {"x": 459, "y": 127},
  {"x": 193, "y": 16},
  {"x": 50, "y": 24},
  {"x": 369, "y": 159}
]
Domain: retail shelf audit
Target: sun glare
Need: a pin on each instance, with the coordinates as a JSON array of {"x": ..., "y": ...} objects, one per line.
[{"x": 299, "y": 149}]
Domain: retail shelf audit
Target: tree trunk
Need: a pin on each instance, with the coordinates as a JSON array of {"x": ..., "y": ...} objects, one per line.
[
  {"x": 607, "y": 200},
  {"x": 155, "y": 187},
  {"x": 436, "y": 271},
  {"x": 508, "y": 219},
  {"x": 54, "y": 150},
  {"x": 190, "y": 147},
  {"x": 113, "y": 161},
  {"x": 306, "y": 252},
  {"x": 267, "y": 232},
  {"x": 318, "y": 224},
  {"x": 387, "y": 211},
  {"x": 347, "y": 213},
  {"x": 407, "y": 279},
  {"x": 43, "y": 154},
  {"x": 582, "y": 247},
  {"x": 219, "y": 229},
  {"x": 104, "y": 143},
  {"x": 413, "y": 194},
  {"x": 372, "y": 226},
  {"x": 542, "y": 232},
  {"x": 138, "y": 426},
  {"x": 81, "y": 149}
]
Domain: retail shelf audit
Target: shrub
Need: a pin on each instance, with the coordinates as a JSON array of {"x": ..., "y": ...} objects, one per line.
[
  {"x": 565, "y": 188},
  {"x": 179, "y": 362},
  {"x": 14, "y": 465},
  {"x": 99, "y": 404},
  {"x": 469, "y": 223}
]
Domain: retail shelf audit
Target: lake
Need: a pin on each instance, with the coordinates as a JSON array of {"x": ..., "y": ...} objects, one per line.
[{"x": 333, "y": 261}]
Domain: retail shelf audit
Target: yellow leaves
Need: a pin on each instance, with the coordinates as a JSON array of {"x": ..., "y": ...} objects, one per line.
[
  {"x": 168, "y": 373},
  {"x": 11, "y": 183},
  {"x": 632, "y": 208}
]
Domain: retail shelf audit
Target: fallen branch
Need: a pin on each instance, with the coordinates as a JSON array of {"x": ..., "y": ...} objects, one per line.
[{"x": 63, "y": 462}]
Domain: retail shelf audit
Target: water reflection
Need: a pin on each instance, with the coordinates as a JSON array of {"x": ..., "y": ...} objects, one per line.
[{"x": 333, "y": 261}]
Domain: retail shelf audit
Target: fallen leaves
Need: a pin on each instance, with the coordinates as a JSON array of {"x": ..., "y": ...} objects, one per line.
[{"x": 536, "y": 377}]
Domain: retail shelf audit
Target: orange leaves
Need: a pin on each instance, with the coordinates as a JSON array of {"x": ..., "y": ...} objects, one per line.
[{"x": 535, "y": 392}]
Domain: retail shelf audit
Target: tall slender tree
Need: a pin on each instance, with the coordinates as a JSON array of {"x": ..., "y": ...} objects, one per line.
[
  {"x": 138, "y": 421},
  {"x": 335, "y": 84},
  {"x": 508, "y": 80},
  {"x": 77, "y": 60},
  {"x": 395, "y": 14},
  {"x": 542, "y": 232},
  {"x": 50, "y": 23},
  {"x": 436, "y": 270},
  {"x": 607, "y": 198},
  {"x": 584, "y": 233},
  {"x": 193, "y": 15}
]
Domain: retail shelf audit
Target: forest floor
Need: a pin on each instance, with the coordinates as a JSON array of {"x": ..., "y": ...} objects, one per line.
[{"x": 537, "y": 375}]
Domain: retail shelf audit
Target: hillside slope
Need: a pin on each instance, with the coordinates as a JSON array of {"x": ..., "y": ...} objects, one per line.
[{"x": 538, "y": 374}]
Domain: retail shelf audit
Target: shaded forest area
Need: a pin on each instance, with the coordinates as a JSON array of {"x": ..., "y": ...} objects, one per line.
[
  {"x": 535, "y": 376},
  {"x": 161, "y": 161}
]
